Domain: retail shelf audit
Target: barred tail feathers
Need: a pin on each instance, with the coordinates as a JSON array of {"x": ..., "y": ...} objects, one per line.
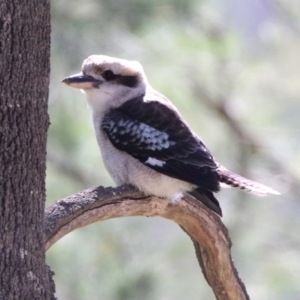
[{"x": 231, "y": 179}]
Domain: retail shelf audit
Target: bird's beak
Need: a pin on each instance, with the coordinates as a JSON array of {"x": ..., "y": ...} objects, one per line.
[{"x": 81, "y": 81}]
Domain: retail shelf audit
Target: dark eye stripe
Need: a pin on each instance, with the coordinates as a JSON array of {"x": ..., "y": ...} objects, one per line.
[
  {"x": 130, "y": 81},
  {"x": 108, "y": 75}
]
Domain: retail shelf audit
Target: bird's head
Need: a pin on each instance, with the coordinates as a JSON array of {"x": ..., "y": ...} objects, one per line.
[{"x": 108, "y": 82}]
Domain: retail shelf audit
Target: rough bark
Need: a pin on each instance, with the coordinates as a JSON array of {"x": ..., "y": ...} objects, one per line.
[
  {"x": 24, "y": 79},
  {"x": 209, "y": 235}
]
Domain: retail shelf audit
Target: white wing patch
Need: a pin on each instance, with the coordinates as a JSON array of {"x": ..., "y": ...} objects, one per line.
[
  {"x": 224, "y": 185},
  {"x": 155, "y": 162}
]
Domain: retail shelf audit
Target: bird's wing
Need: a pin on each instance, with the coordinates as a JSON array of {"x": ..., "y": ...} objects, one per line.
[{"x": 154, "y": 133}]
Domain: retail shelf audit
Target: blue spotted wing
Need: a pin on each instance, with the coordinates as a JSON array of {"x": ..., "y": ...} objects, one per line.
[{"x": 154, "y": 133}]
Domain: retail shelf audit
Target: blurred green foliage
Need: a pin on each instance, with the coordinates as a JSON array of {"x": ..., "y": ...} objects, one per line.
[{"x": 241, "y": 56}]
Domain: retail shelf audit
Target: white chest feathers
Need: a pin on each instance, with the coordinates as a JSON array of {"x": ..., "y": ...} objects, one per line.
[{"x": 125, "y": 169}]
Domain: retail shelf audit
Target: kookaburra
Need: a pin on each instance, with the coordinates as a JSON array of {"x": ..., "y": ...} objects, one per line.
[{"x": 144, "y": 140}]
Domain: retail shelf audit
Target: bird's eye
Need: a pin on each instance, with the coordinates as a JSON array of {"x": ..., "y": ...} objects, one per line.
[{"x": 108, "y": 75}]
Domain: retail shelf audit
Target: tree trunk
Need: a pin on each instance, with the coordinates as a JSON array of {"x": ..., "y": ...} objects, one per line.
[{"x": 24, "y": 79}]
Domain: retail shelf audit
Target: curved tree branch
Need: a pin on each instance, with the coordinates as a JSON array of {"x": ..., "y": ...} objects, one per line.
[{"x": 209, "y": 235}]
